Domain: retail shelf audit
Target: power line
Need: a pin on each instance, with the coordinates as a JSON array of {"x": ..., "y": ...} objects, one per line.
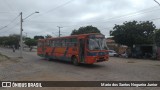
[
  {"x": 13, "y": 20},
  {"x": 62, "y": 5},
  {"x": 155, "y": 19},
  {"x": 138, "y": 12},
  {"x": 11, "y": 5},
  {"x": 144, "y": 11},
  {"x": 10, "y": 28},
  {"x": 157, "y": 2},
  {"x": 8, "y": 12},
  {"x": 110, "y": 19},
  {"x": 3, "y": 27},
  {"x": 8, "y": 5},
  {"x": 54, "y": 34},
  {"x": 9, "y": 23}
]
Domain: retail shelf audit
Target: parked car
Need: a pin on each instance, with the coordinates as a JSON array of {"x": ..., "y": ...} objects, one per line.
[
  {"x": 124, "y": 55},
  {"x": 112, "y": 53}
]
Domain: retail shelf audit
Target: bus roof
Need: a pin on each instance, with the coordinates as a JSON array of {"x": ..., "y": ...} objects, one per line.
[{"x": 80, "y": 35}]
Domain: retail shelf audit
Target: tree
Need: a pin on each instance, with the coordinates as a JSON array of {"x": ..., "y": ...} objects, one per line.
[
  {"x": 10, "y": 40},
  {"x": 14, "y": 40},
  {"x": 157, "y": 37},
  {"x": 134, "y": 32},
  {"x": 38, "y": 37},
  {"x": 85, "y": 30},
  {"x": 31, "y": 42},
  {"x": 48, "y": 36},
  {"x": 3, "y": 40}
]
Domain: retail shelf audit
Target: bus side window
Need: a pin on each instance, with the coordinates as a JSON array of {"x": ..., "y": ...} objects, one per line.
[
  {"x": 39, "y": 44},
  {"x": 73, "y": 42},
  {"x": 42, "y": 44},
  {"x": 55, "y": 43},
  {"x": 52, "y": 43},
  {"x": 47, "y": 43},
  {"x": 60, "y": 43},
  {"x": 67, "y": 42},
  {"x": 63, "y": 43}
]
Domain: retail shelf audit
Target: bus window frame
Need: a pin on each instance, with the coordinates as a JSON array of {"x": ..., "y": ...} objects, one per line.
[
  {"x": 52, "y": 43},
  {"x": 63, "y": 43}
]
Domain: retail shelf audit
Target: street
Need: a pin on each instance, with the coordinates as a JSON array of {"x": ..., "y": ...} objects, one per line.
[{"x": 35, "y": 68}]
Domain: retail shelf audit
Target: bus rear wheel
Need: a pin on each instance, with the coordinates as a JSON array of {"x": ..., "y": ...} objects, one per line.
[{"x": 75, "y": 61}]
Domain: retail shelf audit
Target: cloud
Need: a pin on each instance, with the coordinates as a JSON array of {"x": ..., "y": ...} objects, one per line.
[{"x": 103, "y": 14}]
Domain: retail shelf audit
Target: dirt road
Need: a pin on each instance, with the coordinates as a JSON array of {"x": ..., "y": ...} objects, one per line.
[{"x": 33, "y": 67}]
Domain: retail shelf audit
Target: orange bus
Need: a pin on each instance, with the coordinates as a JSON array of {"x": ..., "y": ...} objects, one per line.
[{"x": 84, "y": 48}]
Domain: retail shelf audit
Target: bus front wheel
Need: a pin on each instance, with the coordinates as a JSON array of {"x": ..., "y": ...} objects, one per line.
[
  {"x": 47, "y": 57},
  {"x": 75, "y": 61}
]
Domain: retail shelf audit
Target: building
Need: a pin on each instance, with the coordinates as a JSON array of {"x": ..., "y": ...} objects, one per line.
[{"x": 112, "y": 45}]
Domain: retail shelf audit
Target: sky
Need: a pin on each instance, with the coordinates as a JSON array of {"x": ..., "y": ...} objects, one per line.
[{"x": 72, "y": 14}]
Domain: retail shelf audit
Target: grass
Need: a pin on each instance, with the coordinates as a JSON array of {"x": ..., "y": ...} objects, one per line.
[{"x": 3, "y": 57}]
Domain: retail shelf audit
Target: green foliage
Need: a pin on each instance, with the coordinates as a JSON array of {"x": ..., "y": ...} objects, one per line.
[
  {"x": 3, "y": 40},
  {"x": 10, "y": 40},
  {"x": 14, "y": 40},
  {"x": 134, "y": 32},
  {"x": 48, "y": 36},
  {"x": 27, "y": 38},
  {"x": 38, "y": 37},
  {"x": 157, "y": 37},
  {"x": 85, "y": 30},
  {"x": 31, "y": 42}
]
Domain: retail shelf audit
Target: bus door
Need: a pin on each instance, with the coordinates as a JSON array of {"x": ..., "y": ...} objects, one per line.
[
  {"x": 82, "y": 49},
  {"x": 43, "y": 47}
]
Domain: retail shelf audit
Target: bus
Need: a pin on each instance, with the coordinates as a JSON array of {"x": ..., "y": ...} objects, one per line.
[{"x": 84, "y": 48}]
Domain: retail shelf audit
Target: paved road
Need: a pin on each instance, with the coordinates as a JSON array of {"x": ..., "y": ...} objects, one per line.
[{"x": 33, "y": 67}]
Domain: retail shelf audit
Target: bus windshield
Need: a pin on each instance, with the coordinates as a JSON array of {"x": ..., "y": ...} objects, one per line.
[{"x": 97, "y": 44}]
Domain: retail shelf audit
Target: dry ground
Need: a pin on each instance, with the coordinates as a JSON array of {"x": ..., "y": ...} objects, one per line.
[{"x": 34, "y": 68}]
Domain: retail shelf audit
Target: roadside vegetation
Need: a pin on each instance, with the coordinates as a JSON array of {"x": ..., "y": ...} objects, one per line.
[
  {"x": 13, "y": 40},
  {"x": 131, "y": 33},
  {"x": 3, "y": 58}
]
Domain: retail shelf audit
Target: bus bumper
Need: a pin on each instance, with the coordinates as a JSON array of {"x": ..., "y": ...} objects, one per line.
[{"x": 91, "y": 60}]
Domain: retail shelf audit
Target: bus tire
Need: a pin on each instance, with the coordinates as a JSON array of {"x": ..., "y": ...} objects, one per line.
[
  {"x": 47, "y": 57},
  {"x": 75, "y": 61}
]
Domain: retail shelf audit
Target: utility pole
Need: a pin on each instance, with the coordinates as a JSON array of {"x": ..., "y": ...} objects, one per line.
[
  {"x": 59, "y": 30},
  {"x": 21, "y": 29}
]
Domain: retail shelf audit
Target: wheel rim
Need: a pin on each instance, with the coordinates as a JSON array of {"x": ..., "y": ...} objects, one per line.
[{"x": 75, "y": 62}]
